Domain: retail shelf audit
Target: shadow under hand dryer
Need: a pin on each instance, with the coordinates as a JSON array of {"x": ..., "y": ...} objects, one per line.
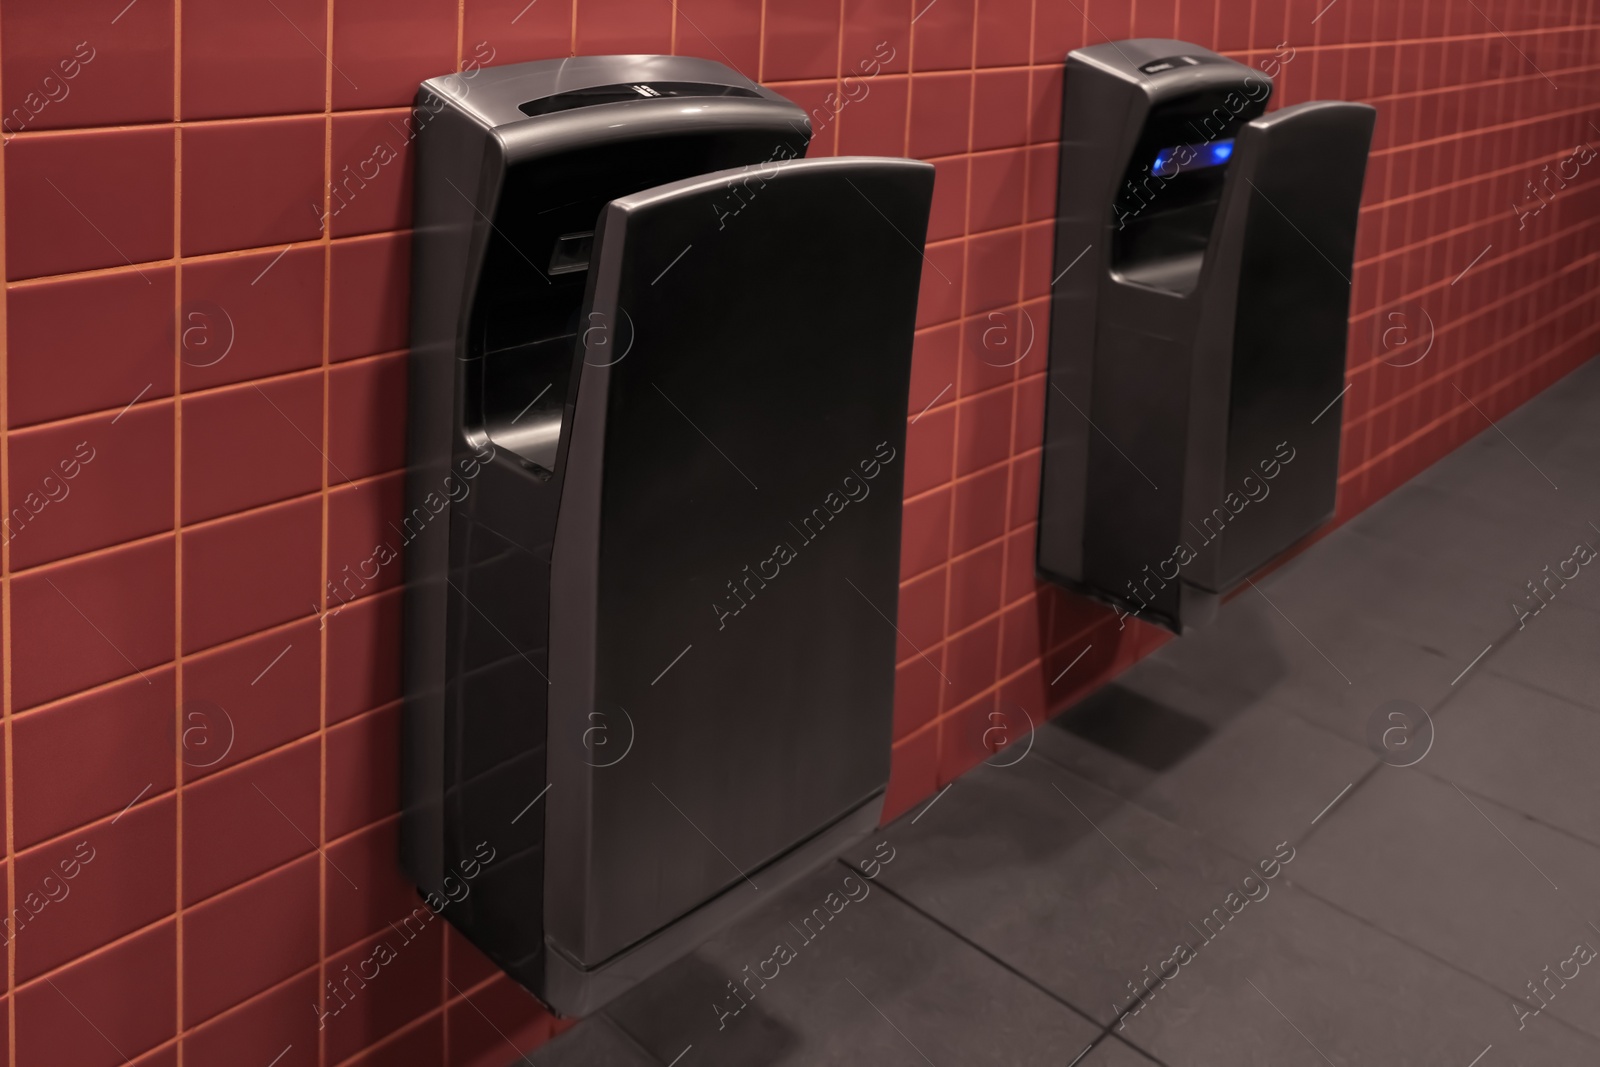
[
  {"x": 1198, "y": 322},
  {"x": 658, "y": 394}
]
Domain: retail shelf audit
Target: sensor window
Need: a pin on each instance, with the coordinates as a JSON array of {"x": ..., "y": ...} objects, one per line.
[{"x": 1214, "y": 154}]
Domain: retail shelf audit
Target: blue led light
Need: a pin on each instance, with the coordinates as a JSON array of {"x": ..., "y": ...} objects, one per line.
[{"x": 1214, "y": 154}]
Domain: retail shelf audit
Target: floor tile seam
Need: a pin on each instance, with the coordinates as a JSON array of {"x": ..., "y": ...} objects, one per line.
[
  {"x": 986, "y": 953},
  {"x": 1428, "y": 954}
]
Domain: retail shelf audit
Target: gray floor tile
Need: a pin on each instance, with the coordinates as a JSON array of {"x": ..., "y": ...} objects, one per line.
[
  {"x": 1559, "y": 552},
  {"x": 1461, "y": 878},
  {"x": 1119, "y": 739},
  {"x": 1259, "y": 780},
  {"x": 1260, "y": 777},
  {"x": 1557, "y": 650},
  {"x": 1553, "y": 479},
  {"x": 1527, "y": 750},
  {"x": 1499, "y": 464},
  {"x": 595, "y": 1042},
  {"x": 1297, "y": 982},
  {"x": 876, "y": 983},
  {"x": 1338, "y": 682},
  {"x": 1062, "y": 880},
  {"x": 1348, "y": 580},
  {"x": 1491, "y": 536}
]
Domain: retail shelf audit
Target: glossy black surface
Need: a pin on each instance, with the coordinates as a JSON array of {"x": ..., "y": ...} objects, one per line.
[
  {"x": 1287, "y": 248},
  {"x": 511, "y": 348},
  {"x": 1192, "y": 324},
  {"x": 730, "y": 571}
]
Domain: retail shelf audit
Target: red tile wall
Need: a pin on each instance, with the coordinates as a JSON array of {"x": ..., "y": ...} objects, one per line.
[{"x": 203, "y": 390}]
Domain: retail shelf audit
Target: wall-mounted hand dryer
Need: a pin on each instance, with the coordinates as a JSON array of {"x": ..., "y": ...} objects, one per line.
[
  {"x": 658, "y": 394},
  {"x": 1198, "y": 324}
]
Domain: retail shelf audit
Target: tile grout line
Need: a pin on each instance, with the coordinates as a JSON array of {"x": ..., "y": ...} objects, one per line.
[
  {"x": 942, "y": 711},
  {"x": 5, "y": 643},
  {"x": 177, "y": 522},
  {"x": 1105, "y": 1028},
  {"x": 326, "y": 241}
]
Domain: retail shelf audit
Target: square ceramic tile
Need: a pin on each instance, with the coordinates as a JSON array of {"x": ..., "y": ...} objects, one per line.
[
  {"x": 249, "y": 819},
  {"x": 983, "y": 435},
  {"x": 366, "y": 418},
  {"x": 251, "y": 444},
  {"x": 366, "y": 889},
  {"x": 363, "y": 655},
  {"x": 820, "y": 101},
  {"x": 90, "y": 755},
  {"x": 371, "y": 179},
  {"x": 1004, "y": 28},
  {"x": 994, "y": 271},
  {"x": 114, "y": 1004},
  {"x": 877, "y": 37},
  {"x": 248, "y": 60},
  {"x": 77, "y": 345},
  {"x": 120, "y": 874},
  {"x": 90, "y": 483},
  {"x": 995, "y": 347},
  {"x": 94, "y": 199},
  {"x": 913, "y": 773},
  {"x": 918, "y": 685},
  {"x": 997, "y": 186},
  {"x": 249, "y": 697},
  {"x": 925, "y": 532},
  {"x": 516, "y": 31},
  {"x": 873, "y": 121},
  {"x": 980, "y": 509},
  {"x": 930, "y": 444},
  {"x": 942, "y": 35},
  {"x": 382, "y": 50},
  {"x": 943, "y": 273},
  {"x": 410, "y": 989},
  {"x": 940, "y": 106},
  {"x": 249, "y": 939},
  {"x": 1000, "y": 109},
  {"x": 98, "y": 63},
  {"x": 975, "y": 586},
  {"x": 277, "y": 1019},
  {"x": 935, "y": 361},
  {"x": 251, "y": 571},
  {"x": 800, "y": 42},
  {"x": 969, "y": 666},
  {"x": 371, "y": 292},
  {"x": 251, "y": 316},
  {"x": 92, "y": 620},
  {"x": 363, "y": 769},
  {"x": 365, "y": 548},
  {"x": 622, "y": 27},
  {"x": 251, "y": 184},
  {"x": 948, "y": 217}
]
